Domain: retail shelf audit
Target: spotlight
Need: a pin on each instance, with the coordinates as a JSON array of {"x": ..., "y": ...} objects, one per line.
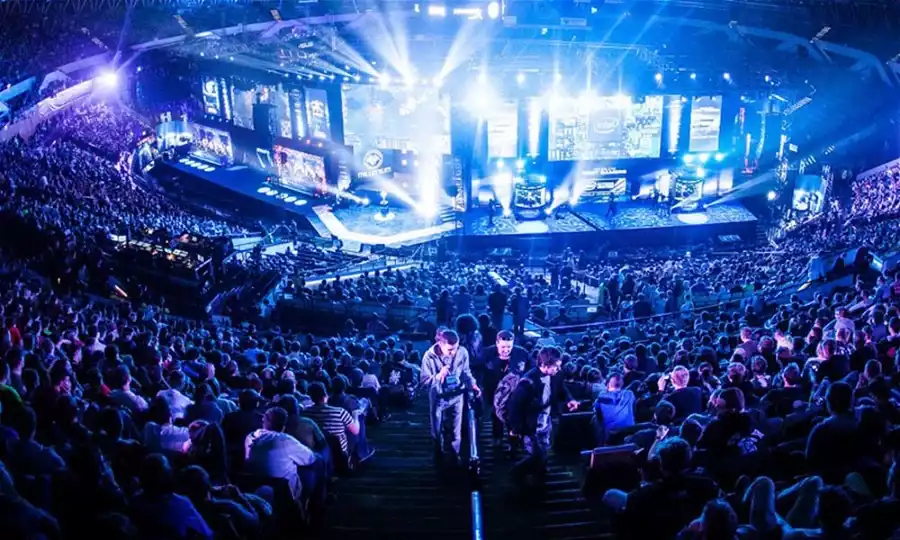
[
  {"x": 507, "y": 212},
  {"x": 701, "y": 172},
  {"x": 493, "y": 10},
  {"x": 500, "y": 164},
  {"x": 658, "y": 77},
  {"x": 520, "y": 164},
  {"x": 768, "y": 79},
  {"x": 384, "y": 79},
  {"x": 109, "y": 79},
  {"x": 403, "y": 162},
  {"x": 321, "y": 77},
  {"x": 557, "y": 77},
  {"x": 703, "y": 158},
  {"x": 366, "y": 202},
  {"x": 548, "y": 211},
  {"x": 693, "y": 76},
  {"x": 726, "y": 76},
  {"x": 771, "y": 195},
  {"x": 520, "y": 78},
  {"x": 688, "y": 158},
  {"x": 720, "y": 156}
]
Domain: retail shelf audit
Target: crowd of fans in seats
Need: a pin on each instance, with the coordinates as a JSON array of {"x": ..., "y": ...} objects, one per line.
[
  {"x": 875, "y": 196},
  {"x": 782, "y": 425},
  {"x": 758, "y": 418},
  {"x": 121, "y": 422}
]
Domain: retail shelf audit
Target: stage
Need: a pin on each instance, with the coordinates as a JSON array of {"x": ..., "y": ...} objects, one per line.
[{"x": 635, "y": 222}]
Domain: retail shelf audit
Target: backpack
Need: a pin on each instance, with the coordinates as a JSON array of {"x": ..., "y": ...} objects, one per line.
[{"x": 504, "y": 391}]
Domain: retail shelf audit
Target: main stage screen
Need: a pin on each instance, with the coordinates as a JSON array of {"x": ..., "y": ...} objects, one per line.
[
  {"x": 242, "y": 107},
  {"x": 317, "y": 113},
  {"x": 212, "y": 104},
  {"x": 598, "y": 128},
  {"x": 503, "y": 129},
  {"x": 396, "y": 118},
  {"x": 300, "y": 170},
  {"x": 277, "y": 97},
  {"x": 212, "y": 145},
  {"x": 706, "y": 123}
]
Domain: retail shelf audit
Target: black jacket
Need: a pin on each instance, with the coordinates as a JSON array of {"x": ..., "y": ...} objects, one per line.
[{"x": 525, "y": 404}]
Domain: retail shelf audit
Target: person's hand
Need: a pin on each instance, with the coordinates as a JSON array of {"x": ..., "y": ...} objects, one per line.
[
  {"x": 477, "y": 390},
  {"x": 662, "y": 382},
  {"x": 573, "y": 405},
  {"x": 442, "y": 374},
  {"x": 661, "y": 432}
]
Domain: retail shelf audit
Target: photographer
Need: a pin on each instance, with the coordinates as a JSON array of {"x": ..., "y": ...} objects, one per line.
[{"x": 446, "y": 374}]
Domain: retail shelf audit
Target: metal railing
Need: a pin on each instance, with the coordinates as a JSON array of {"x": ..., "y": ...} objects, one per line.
[{"x": 474, "y": 467}]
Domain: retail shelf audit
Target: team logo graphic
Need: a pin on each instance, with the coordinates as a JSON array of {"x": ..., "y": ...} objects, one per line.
[
  {"x": 373, "y": 159},
  {"x": 605, "y": 125},
  {"x": 317, "y": 109}
]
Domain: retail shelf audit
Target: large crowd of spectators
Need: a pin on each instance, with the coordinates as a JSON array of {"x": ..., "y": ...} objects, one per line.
[
  {"x": 755, "y": 411},
  {"x": 875, "y": 196}
]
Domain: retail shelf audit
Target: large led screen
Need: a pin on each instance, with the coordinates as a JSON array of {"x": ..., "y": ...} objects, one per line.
[
  {"x": 395, "y": 118},
  {"x": 213, "y": 145},
  {"x": 300, "y": 170},
  {"x": 277, "y": 97},
  {"x": 212, "y": 104},
  {"x": 317, "y": 113},
  {"x": 242, "y": 107},
  {"x": 809, "y": 194},
  {"x": 706, "y": 123},
  {"x": 598, "y": 128},
  {"x": 503, "y": 130}
]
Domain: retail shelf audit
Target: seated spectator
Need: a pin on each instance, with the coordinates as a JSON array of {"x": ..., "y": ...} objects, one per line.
[
  {"x": 333, "y": 421},
  {"x": 121, "y": 393},
  {"x": 160, "y": 435},
  {"x": 159, "y": 511},
  {"x": 831, "y": 449},
  {"x": 272, "y": 453},
  {"x": 615, "y": 407},
  {"x": 662, "y": 507},
  {"x": 687, "y": 400},
  {"x": 225, "y": 509}
]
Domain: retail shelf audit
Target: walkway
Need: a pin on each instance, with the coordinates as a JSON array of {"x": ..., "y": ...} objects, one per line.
[{"x": 398, "y": 494}]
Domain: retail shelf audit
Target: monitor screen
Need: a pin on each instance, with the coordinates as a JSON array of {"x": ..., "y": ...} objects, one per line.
[
  {"x": 602, "y": 128},
  {"x": 396, "y": 118}
]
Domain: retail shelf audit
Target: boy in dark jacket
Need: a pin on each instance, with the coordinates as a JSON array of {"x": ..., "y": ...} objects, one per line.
[{"x": 537, "y": 395}]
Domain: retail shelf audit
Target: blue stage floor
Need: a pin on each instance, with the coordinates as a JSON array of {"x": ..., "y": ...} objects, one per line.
[{"x": 593, "y": 217}]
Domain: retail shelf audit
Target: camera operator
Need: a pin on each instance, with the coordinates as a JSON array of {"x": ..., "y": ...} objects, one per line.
[{"x": 446, "y": 374}]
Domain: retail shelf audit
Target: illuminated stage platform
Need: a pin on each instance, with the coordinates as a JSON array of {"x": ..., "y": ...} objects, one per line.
[{"x": 634, "y": 223}]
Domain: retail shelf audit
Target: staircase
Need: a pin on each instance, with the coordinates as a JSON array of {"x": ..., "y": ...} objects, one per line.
[
  {"x": 511, "y": 512},
  {"x": 399, "y": 493},
  {"x": 762, "y": 237},
  {"x": 447, "y": 214}
]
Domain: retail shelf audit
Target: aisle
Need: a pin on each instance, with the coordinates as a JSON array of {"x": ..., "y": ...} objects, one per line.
[
  {"x": 510, "y": 513},
  {"x": 398, "y": 494}
]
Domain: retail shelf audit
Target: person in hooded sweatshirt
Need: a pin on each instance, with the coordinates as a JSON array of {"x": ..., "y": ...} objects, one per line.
[{"x": 614, "y": 407}]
